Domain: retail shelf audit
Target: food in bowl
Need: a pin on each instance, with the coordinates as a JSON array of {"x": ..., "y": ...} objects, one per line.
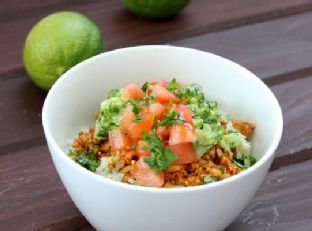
[
  {"x": 163, "y": 135},
  {"x": 110, "y": 205}
]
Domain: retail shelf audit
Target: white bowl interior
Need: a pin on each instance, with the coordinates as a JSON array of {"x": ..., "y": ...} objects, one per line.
[{"x": 241, "y": 95}]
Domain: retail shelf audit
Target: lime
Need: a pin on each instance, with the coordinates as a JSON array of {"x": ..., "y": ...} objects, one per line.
[
  {"x": 57, "y": 43},
  {"x": 155, "y": 8}
]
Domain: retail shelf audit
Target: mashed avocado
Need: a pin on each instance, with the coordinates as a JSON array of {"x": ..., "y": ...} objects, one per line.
[{"x": 110, "y": 114}]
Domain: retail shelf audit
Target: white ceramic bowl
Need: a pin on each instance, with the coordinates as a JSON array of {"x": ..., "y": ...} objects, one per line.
[{"x": 115, "y": 206}]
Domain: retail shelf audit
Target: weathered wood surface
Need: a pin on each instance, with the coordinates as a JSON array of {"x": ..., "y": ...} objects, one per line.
[
  {"x": 17, "y": 18},
  {"x": 283, "y": 202},
  {"x": 31, "y": 194},
  {"x": 278, "y": 49}
]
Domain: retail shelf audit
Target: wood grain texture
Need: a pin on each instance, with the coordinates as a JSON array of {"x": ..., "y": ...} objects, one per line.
[
  {"x": 295, "y": 98},
  {"x": 268, "y": 49},
  {"x": 283, "y": 202},
  {"x": 31, "y": 194},
  {"x": 115, "y": 22},
  {"x": 20, "y": 104},
  {"x": 279, "y": 51},
  {"x": 9, "y": 9}
]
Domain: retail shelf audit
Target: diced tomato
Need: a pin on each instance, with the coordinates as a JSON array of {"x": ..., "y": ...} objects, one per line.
[
  {"x": 157, "y": 109},
  {"x": 185, "y": 112},
  {"x": 118, "y": 140},
  {"x": 133, "y": 91},
  {"x": 144, "y": 174},
  {"x": 127, "y": 118},
  {"x": 162, "y": 95},
  {"x": 135, "y": 130},
  {"x": 181, "y": 133},
  {"x": 163, "y": 132},
  {"x": 185, "y": 152},
  {"x": 140, "y": 151},
  {"x": 160, "y": 82}
]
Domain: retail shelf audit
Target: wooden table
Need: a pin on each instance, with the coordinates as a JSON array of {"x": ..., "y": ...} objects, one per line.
[{"x": 272, "y": 38}]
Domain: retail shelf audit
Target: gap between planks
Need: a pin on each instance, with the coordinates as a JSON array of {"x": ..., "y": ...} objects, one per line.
[{"x": 178, "y": 34}]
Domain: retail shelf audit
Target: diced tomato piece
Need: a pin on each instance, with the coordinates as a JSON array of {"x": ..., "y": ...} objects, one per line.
[
  {"x": 163, "y": 132},
  {"x": 127, "y": 118},
  {"x": 185, "y": 112},
  {"x": 144, "y": 174},
  {"x": 181, "y": 133},
  {"x": 118, "y": 140},
  {"x": 157, "y": 109},
  {"x": 162, "y": 95},
  {"x": 135, "y": 130},
  {"x": 160, "y": 82},
  {"x": 185, "y": 152},
  {"x": 133, "y": 91}
]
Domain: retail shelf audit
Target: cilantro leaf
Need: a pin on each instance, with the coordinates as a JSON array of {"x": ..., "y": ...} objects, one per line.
[
  {"x": 193, "y": 94},
  {"x": 173, "y": 86},
  {"x": 146, "y": 86},
  {"x": 171, "y": 118},
  {"x": 103, "y": 132},
  {"x": 138, "y": 119},
  {"x": 160, "y": 157},
  {"x": 135, "y": 106},
  {"x": 88, "y": 160},
  {"x": 244, "y": 161}
]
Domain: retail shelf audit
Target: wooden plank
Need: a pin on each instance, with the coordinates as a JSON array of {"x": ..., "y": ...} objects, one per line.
[
  {"x": 31, "y": 194},
  {"x": 283, "y": 202},
  {"x": 268, "y": 49},
  {"x": 200, "y": 17},
  {"x": 33, "y": 197},
  {"x": 295, "y": 98},
  {"x": 20, "y": 104},
  {"x": 10, "y": 9}
]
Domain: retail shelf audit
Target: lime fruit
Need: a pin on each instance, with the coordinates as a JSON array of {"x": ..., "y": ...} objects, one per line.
[
  {"x": 57, "y": 43},
  {"x": 155, "y": 8}
]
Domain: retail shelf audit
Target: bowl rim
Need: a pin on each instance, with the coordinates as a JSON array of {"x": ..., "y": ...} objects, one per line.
[{"x": 103, "y": 180}]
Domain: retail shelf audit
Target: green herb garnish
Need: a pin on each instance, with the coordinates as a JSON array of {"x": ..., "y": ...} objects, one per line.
[
  {"x": 135, "y": 106},
  {"x": 171, "y": 118},
  {"x": 193, "y": 94},
  {"x": 88, "y": 160},
  {"x": 160, "y": 157},
  {"x": 244, "y": 161},
  {"x": 174, "y": 86},
  {"x": 145, "y": 86},
  {"x": 138, "y": 119}
]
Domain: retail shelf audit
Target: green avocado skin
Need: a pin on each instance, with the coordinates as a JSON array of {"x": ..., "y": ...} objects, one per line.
[{"x": 155, "y": 9}]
